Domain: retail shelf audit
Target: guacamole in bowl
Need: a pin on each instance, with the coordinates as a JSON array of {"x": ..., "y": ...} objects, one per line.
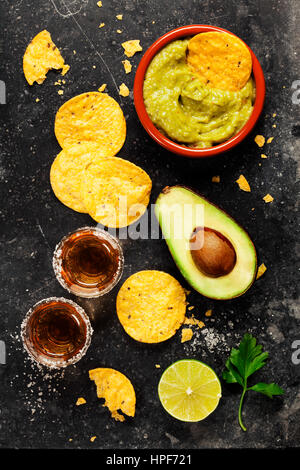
[{"x": 186, "y": 110}]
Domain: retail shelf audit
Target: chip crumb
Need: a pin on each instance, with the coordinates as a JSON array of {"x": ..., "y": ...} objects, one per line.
[
  {"x": 268, "y": 198},
  {"x": 261, "y": 270},
  {"x": 243, "y": 184},
  {"x": 260, "y": 140},
  {"x": 102, "y": 88},
  {"x": 208, "y": 313},
  {"x": 124, "y": 90},
  {"x": 274, "y": 125},
  {"x": 127, "y": 65},
  {"x": 99, "y": 4},
  {"x": 74, "y": 52},
  {"x": 80, "y": 401},
  {"x": 101, "y": 25},
  {"x": 216, "y": 179},
  {"x": 186, "y": 334},
  {"x": 131, "y": 47},
  {"x": 37, "y": 100},
  {"x": 119, "y": 17},
  {"x": 93, "y": 438},
  {"x": 119, "y": 31},
  {"x": 65, "y": 69},
  {"x": 191, "y": 307},
  {"x": 70, "y": 440},
  {"x": 264, "y": 156},
  {"x": 60, "y": 92},
  {"x": 157, "y": 366},
  {"x": 274, "y": 114},
  {"x": 270, "y": 139},
  {"x": 193, "y": 321}
]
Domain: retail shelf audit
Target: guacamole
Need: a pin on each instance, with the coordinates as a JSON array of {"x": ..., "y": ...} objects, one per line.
[{"x": 186, "y": 110}]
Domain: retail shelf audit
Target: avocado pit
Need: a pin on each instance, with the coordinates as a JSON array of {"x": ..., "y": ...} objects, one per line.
[{"x": 212, "y": 252}]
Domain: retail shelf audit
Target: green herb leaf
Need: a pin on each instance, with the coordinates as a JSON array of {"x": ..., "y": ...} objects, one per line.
[
  {"x": 242, "y": 363},
  {"x": 267, "y": 389}
]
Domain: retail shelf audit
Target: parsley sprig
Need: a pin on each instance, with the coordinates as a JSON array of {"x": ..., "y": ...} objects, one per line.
[{"x": 242, "y": 363}]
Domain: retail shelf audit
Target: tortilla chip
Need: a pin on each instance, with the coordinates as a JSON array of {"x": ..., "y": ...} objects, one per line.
[
  {"x": 40, "y": 56},
  {"x": 186, "y": 334},
  {"x": 116, "y": 389},
  {"x": 261, "y": 270},
  {"x": 220, "y": 60},
  {"x": 115, "y": 191},
  {"x": 91, "y": 117},
  {"x": 66, "y": 172},
  {"x": 80, "y": 401},
  {"x": 151, "y": 306},
  {"x": 260, "y": 140},
  {"x": 131, "y": 47},
  {"x": 243, "y": 184},
  {"x": 124, "y": 90},
  {"x": 127, "y": 65},
  {"x": 216, "y": 179},
  {"x": 208, "y": 313},
  {"x": 193, "y": 321},
  {"x": 268, "y": 198}
]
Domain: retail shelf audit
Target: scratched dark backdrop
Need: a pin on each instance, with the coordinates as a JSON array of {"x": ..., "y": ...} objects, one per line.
[{"x": 37, "y": 407}]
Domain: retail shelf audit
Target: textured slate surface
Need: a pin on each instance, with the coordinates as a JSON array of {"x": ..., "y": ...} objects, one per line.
[{"x": 37, "y": 407}]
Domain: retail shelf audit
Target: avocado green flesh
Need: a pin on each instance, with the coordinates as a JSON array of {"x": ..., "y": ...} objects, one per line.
[
  {"x": 179, "y": 210},
  {"x": 185, "y": 109}
]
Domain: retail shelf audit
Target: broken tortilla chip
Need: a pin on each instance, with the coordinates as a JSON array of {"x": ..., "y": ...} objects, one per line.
[
  {"x": 151, "y": 306},
  {"x": 261, "y": 270},
  {"x": 268, "y": 198},
  {"x": 80, "y": 401},
  {"x": 220, "y": 60},
  {"x": 131, "y": 47},
  {"x": 41, "y": 56},
  {"x": 243, "y": 184},
  {"x": 116, "y": 389},
  {"x": 127, "y": 65},
  {"x": 91, "y": 117},
  {"x": 115, "y": 191},
  {"x": 186, "y": 334},
  {"x": 260, "y": 140},
  {"x": 124, "y": 90}
]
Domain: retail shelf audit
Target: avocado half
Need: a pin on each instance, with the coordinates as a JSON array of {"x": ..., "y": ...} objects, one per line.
[{"x": 179, "y": 211}]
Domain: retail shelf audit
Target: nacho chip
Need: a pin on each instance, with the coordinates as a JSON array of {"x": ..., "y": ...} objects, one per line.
[
  {"x": 91, "y": 117},
  {"x": 124, "y": 90},
  {"x": 268, "y": 198},
  {"x": 220, "y": 60},
  {"x": 66, "y": 172},
  {"x": 116, "y": 389},
  {"x": 260, "y": 140},
  {"x": 151, "y": 306},
  {"x": 186, "y": 334},
  {"x": 127, "y": 65},
  {"x": 131, "y": 47},
  {"x": 40, "y": 56},
  {"x": 243, "y": 184},
  {"x": 115, "y": 191},
  {"x": 261, "y": 270},
  {"x": 81, "y": 401}
]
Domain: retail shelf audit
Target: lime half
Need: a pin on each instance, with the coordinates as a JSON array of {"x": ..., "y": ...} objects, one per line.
[{"x": 189, "y": 390}]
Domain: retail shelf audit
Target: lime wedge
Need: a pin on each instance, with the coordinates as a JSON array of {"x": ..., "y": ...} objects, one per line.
[{"x": 189, "y": 390}]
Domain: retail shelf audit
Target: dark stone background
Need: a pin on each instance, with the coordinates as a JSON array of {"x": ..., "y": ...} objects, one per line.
[{"x": 37, "y": 407}]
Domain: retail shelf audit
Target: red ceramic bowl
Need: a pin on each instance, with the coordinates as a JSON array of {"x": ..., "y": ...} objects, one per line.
[{"x": 165, "y": 141}]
